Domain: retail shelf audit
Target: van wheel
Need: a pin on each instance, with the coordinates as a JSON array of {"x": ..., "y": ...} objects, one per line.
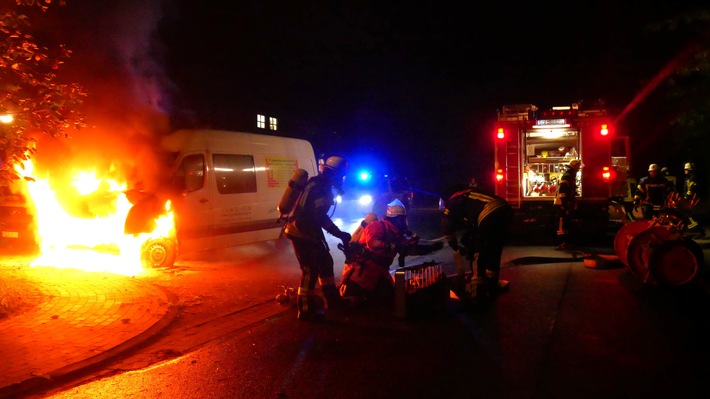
[{"x": 160, "y": 252}]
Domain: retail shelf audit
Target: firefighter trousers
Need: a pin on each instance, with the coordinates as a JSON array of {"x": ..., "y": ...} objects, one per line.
[
  {"x": 488, "y": 240},
  {"x": 316, "y": 265}
]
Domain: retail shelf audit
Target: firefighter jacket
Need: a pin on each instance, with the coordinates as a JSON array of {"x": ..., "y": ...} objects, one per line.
[
  {"x": 381, "y": 239},
  {"x": 468, "y": 209},
  {"x": 653, "y": 190},
  {"x": 568, "y": 189},
  {"x": 310, "y": 217},
  {"x": 690, "y": 186}
]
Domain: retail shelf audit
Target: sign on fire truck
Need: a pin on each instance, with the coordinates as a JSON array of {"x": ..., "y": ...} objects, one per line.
[{"x": 533, "y": 148}]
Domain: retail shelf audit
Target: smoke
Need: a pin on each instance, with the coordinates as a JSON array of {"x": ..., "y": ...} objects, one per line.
[{"x": 118, "y": 59}]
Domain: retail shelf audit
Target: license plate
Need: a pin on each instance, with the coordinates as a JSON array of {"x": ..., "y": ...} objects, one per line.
[{"x": 10, "y": 234}]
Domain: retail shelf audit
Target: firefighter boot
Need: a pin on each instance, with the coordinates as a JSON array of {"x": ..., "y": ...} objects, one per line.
[
  {"x": 695, "y": 228},
  {"x": 310, "y": 307},
  {"x": 495, "y": 284},
  {"x": 477, "y": 288}
]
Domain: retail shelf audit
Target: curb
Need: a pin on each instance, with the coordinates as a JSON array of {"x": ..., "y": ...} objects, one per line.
[{"x": 74, "y": 370}]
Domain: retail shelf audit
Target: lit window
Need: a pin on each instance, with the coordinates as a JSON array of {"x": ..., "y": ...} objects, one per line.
[
  {"x": 273, "y": 124},
  {"x": 260, "y": 121}
]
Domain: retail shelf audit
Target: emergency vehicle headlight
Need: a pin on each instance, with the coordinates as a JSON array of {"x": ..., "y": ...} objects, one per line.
[{"x": 365, "y": 199}]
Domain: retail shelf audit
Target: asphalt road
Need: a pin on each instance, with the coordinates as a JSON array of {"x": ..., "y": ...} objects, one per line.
[{"x": 561, "y": 330}]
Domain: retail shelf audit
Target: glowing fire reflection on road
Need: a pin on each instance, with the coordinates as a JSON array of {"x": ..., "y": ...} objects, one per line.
[{"x": 88, "y": 233}]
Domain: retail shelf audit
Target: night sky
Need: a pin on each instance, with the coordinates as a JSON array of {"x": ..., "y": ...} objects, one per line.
[{"x": 413, "y": 85}]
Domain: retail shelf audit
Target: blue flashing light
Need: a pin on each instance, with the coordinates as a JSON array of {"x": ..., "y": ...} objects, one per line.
[{"x": 364, "y": 176}]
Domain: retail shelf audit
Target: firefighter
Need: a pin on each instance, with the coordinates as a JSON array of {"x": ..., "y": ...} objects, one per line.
[
  {"x": 690, "y": 185},
  {"x": 651, "y": 192},
  {"x": 690, "y": 194},
  {"x": 305, "y": 230},
  {"x": 367, "y": 276},
  {"x": 565, "y": 202},
  {"x": 390, "y": 234},
  {"x": 485, "y": 221}
]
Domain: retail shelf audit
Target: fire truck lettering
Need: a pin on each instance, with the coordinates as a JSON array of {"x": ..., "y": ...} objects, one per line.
[{"x": 551, "y": 122}]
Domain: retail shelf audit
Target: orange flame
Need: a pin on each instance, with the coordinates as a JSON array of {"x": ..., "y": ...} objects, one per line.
[{"x": 90, "y": 235}]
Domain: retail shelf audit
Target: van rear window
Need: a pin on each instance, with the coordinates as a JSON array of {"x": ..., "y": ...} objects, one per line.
[{"x": 234, "y": 174}]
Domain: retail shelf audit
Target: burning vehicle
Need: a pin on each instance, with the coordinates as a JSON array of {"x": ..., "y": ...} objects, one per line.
[
  {"x": 142, "y": 218},
  {"x": 216, "y": 189}
]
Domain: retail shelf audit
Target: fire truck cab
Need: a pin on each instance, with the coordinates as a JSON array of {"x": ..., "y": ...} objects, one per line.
[{"x": 533, "y": 148}]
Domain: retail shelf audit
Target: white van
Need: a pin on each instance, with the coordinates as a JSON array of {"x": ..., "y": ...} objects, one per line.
[{"x": 226, "y": 186}]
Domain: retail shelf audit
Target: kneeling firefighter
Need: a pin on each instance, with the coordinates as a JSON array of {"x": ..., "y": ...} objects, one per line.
[
  {"x": 374, "y": 246},
  {"x": 486, "y": 221},
  {"x": 305, "y": 230}
]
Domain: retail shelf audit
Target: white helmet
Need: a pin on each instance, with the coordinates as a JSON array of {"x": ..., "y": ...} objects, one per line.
[
  {"x": 653, "y": 167},
  {"x": 336, "y": 166},
  {"x": 688, "y": 166},
  {"x": 396, "y": 208}
]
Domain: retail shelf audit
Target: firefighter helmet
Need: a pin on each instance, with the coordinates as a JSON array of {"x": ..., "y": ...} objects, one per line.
[
  {"x": 653, "y": 167},
  {"x": 688, "y": 166},
  {"x": 336, "y": 166},
  {"x": 575, "y": 164},
  {"x": 396, "y": 208}
]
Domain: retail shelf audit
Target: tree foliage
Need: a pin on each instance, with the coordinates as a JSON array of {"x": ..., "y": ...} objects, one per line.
[
  {"x": 31, "y": 92},
  {"x": 687, "y": 92}
]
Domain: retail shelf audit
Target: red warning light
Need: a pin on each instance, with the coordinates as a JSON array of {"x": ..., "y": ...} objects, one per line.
[
  {"x": 604, "y": 131},
  {"x": 499, "y": 176},
  {"x": 607, "y": 173},
  {"x": 501, "y": 133}
]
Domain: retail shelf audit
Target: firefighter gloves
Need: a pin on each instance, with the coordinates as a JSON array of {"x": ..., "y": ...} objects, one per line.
[{"x": 345, "y": 237}]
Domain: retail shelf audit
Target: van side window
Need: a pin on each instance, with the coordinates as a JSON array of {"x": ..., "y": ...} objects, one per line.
[
  {"x": 190, "y": 175},
  {"x": 235, "y": 174}
]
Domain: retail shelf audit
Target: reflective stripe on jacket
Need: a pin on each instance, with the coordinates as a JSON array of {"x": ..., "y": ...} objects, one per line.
[{"x": 469, "y": 208}]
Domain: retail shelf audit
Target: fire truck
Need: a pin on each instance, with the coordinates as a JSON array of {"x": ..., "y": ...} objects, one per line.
[{"x": 533, "y": 148}]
